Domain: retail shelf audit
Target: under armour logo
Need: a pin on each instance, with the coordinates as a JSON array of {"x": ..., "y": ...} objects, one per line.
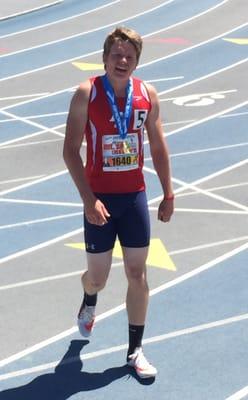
[{"x": 90, "y": 246}]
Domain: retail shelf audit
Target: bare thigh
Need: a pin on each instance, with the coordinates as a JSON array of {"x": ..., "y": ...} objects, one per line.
[{"x": 135, "y": 261}]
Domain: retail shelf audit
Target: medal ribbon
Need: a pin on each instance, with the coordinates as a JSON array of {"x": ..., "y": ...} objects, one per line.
[{"x": 122, "y": 122}]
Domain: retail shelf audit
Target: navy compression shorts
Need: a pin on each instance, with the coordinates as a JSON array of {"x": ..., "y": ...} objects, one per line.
[{"x": 129, "y": 221}]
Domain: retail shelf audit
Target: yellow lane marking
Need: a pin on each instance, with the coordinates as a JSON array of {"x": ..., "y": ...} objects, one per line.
[
  {"x": 88, "y": 66},
  {"x": 157, "y": 257},
  {"x": 240, "y": 41}
]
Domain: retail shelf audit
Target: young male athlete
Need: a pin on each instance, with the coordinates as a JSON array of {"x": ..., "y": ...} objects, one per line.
[{"x": 112, "y": 111}]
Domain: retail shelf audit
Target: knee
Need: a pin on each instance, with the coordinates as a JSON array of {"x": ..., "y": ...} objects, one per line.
[
  {"x": 136, "y": 275},
  {"x": 95, "y": 284}
]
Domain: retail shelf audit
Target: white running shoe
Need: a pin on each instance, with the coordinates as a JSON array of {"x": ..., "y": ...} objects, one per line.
[
  {"x": 142, "y": 367},
  {"x": 86, "y": 319}
]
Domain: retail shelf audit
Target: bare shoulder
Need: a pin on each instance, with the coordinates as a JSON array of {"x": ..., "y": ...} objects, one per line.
[
  {"x": 78, "y": 114},
  {"x": 82, "y": 93},
  {"x": 152, "y": 93}
]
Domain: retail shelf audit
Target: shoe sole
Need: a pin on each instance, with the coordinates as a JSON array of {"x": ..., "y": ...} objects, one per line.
[{"x": 140, "y": 375}]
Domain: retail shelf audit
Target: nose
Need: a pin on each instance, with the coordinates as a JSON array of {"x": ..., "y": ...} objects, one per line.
[{"x": 122, "y": 58}]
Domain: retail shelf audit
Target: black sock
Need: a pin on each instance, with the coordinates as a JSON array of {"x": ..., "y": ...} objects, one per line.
[
  {"x": 90, "y": 299},
  {"x": 135, "y": 337}
]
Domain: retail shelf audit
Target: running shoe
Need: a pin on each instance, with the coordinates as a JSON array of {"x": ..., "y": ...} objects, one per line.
[
  {"x": 142, "y": 367},
  {"x": 86, "y": 318}
]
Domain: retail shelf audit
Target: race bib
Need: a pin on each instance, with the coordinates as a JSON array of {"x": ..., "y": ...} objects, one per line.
[{"x": 120, "y": 154}]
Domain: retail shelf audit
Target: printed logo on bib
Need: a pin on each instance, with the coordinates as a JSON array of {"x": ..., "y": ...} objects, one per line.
[{"x": 120, "y": 154}]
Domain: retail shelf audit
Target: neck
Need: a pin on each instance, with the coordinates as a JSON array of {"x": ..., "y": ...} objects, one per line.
[{"x": 118, "y": 86}]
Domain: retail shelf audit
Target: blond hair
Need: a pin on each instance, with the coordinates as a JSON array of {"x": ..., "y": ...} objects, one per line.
[{"x": 125, "y": 34}]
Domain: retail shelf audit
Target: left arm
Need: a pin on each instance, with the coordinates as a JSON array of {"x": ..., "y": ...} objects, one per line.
[{"x": 160, "y": 156}]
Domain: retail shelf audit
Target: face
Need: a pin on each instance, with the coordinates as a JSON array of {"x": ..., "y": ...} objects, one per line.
[{"x": 121, "y": 60}]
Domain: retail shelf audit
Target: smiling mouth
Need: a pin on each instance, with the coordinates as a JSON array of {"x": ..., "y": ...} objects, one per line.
[{"x": 120, "y": 69}]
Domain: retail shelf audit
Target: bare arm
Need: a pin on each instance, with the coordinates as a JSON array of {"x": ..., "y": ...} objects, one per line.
[
  {"x": 160, "y": 156},
  {"x": 95, "y": 211}
]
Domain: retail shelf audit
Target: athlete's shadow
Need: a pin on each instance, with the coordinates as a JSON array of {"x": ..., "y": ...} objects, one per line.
[{"x": 68, "y": 379}]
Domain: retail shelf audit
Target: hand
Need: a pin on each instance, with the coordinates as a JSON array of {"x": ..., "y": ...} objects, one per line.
[
  {"x": 96, "y": 213},
  {"x": 165, "y": 210}
]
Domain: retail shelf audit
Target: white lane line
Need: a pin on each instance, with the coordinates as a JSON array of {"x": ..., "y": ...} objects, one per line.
[
  {"x": 178, "y": 122},
  {"x": 61, "y": 20},
  {"x": 200, "y": 269},
  {"x": 148, "y": 35},
  {"x": 32, "y": 135},
  {"x": 241, "y": 394},
  {"x": 40, "y": 220},
  {"x": 210, "y": 211},
  {"x": 204, "y": 211},
  {"x": 173, "y": 132},
  {"x": 152, "y": 201},
  {"x": 42, "y": 202},
  {"x": 24, "y": 96},
  {"x": 164, "y": 79},
  {"x": 192, "y": 186},
  {"x": 210, "y": 194},
  {"x": 18, "y": 145},
  {"x": 25, "y": 185},
  {"x": 41, "y": 245},
  {"x": 27, "y": 178},
  {"x": 209, "y": 245},
  {"x": 234, "y": 115},
  {"x": 37, "y": 116},
  {"x": 40, "y": 280},
  {"x": 76, "y": 273},
  {"x": 215, "y": 189},
  {"x": 111, "y": 350},
  {"x": 205, "y": 119},
  {"x": 140, "y": 66},
  {"x": 202, "y": 180},
  {"x": 217, "y": 173},
  {"x": 20, "y": 139},
  {"x": 211, "y": 74},
  {"x": 200, "y": 94},
  {"x": 32, "y": 123},
  {"x": 117, "y": 309},
  {"x": 31, "y": 10},
  {"x": 194, "y": 123},
  {"x": 99, "y": 28},
  {"x": 208, "y": 149},
  {"x": 191, "y": 47},
  {"x": 48, "y": 278}
]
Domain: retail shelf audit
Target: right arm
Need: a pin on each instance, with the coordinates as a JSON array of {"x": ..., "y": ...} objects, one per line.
[{"x": 94, "y": 209}]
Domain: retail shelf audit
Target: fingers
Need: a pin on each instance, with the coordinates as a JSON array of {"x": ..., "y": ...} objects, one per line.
[
  {"x": 164, "y": 218},
  {"x": 97, "y": 213},
  {"x": 98, "y": 216},
  {"x": 97, "y": 219},
  {"x": 164, "y": 215},
  {"x": 165, "y": 210}
]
